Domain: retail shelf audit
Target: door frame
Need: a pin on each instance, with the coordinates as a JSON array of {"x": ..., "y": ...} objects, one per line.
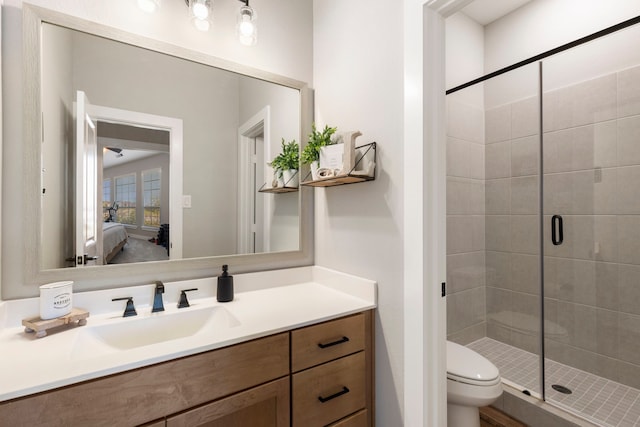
[
  {"x": 424, "y": 213},
  {"x": 258, "y": 124},
  {"x": 174, "y": 127}
]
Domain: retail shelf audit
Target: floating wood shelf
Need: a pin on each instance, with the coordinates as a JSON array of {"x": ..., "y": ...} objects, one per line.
[
  {"x": 364, "y": 151},
  {"x": 40, "y": 326},
  {"x": 338, "y": 180},
  {"x": 277, "y": 190}
]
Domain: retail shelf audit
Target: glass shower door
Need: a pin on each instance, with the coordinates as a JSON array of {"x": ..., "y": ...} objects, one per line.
[
  {"x": 591, "y": 206},
  {"x": 493, "y": 223}
]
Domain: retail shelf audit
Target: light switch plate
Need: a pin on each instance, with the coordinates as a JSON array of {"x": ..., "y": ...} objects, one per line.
[{"x": 186, "y": 201}]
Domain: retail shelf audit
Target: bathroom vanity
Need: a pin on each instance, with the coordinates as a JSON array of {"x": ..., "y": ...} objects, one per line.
[{"x": 300, "y": 354}]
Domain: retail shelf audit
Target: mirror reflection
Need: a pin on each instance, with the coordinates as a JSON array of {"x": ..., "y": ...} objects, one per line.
[{"x": 179, "y": 155}]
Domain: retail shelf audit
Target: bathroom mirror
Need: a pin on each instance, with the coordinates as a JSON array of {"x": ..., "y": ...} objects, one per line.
[{"x": 204, "y": 129}]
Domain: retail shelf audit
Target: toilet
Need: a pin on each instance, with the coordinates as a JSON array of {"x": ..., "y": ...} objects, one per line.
[{"x": 472, "y": 382}]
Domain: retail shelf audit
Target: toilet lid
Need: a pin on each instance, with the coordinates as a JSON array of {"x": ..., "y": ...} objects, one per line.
[{"x": 465, "y": 365}]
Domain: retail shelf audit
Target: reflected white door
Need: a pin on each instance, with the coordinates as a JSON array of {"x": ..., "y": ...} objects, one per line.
[
  {"x": 86, "y": 204},
  {"x": 257, "y": 199}
]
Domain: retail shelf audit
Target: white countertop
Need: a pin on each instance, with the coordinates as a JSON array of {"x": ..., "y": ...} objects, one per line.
[{"x": 264, "y": 304}]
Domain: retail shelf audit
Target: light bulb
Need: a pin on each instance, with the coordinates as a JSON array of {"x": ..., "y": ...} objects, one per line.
[
  {"x": 202, "y": 25},
  {"x": 246, "y": 28},
  {"x": 200, "y": 10},
  {"x": 148, "y": 6}
]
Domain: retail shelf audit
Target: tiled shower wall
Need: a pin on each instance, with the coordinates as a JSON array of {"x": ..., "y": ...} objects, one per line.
[
  {"x": 592, "y": 178},
  {"x": 466, "y": 308}
]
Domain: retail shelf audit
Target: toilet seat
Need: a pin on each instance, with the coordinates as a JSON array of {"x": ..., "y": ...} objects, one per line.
[{"x": 466, "y": 366}]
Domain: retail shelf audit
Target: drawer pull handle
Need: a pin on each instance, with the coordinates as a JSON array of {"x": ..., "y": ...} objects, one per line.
[
  {"x": 331, "y": 344},
  {"x": 344, "y": 390}
]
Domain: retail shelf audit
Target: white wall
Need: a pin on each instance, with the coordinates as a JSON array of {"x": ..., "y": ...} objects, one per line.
[{"x": 358, "y": 79}]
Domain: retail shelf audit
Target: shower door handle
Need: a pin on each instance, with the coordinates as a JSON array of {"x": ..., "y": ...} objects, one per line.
[{"x": 556, "y": 230}]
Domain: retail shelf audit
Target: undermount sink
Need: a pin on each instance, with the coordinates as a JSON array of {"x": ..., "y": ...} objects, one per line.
[{"x": 129, "y": 333}]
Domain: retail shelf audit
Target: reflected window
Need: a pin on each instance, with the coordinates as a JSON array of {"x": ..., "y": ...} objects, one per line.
[
  {"x": 106, "y": 198},
  {"x": 152, "y": 197},
  {"x": 126, "y": 198}
]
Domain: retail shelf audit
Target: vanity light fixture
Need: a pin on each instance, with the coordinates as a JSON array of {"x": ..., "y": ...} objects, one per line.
[
  {"x": 201, "y": 12},
  {"x": 246, "y": 27}
]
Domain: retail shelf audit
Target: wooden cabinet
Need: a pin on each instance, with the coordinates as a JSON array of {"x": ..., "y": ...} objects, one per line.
[
  {"x": 332, "y": 372},
  {"x": 139, "y": 396},
  {"x": 262, "y": 406},
  {"x": 295, "y": 378}
]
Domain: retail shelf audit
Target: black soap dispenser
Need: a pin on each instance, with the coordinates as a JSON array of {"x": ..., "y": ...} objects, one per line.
[{"x": 225, "y": 286}]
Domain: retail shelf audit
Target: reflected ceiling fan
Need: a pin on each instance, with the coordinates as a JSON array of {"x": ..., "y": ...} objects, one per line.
[{"x": 116, "y": 150}]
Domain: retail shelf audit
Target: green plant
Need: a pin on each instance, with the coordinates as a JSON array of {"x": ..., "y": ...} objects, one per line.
[
  {"x": 311, "y": 152},
  {"x": 289, "y": 158}
]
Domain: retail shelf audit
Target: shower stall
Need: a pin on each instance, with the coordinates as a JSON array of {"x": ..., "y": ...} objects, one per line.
[{"x": 543, "y": 225}]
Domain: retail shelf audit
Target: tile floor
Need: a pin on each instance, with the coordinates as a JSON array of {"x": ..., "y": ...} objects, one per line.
[{"x": 597, "y": 399}]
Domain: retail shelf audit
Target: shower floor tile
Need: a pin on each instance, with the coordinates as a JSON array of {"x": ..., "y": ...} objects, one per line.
[{"x": 599, "y": 400}]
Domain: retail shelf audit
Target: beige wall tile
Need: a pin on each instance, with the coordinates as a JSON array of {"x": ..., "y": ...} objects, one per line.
[
  {"x": 498, "y": 196},
  {"x": 525, "y": 117},
  {"x": 558, "y": 193},
  {"x": 628, "y": 141},
  {"x": 470, "y": 334},
  {"x": 465, "y": 121},
  {"x": 557, "y": 109},
  {"x": 465, "y": 271},
  {"x": 498, "y": 160},
  {"x": 628, "y": 190},
  {"x": 606, "y": 331},
  {"x": 524, "y": 234},
  {"x": 629, "y": 338},
  {"x": 499, "y": 315},
  {"x": 457, "y": 158},
  {"x": 629, "y": 92},
  {"x": 457, "y": 200},
  {"x": 525, "y": 153},
  {"x": 594, "y": 100},
  {"x": 498, "y": 124},
  {"x": 459, "y": 231},
  {"x": 498, "y": 233},
  {"x": 628, "y": 239},
  {"x": 628, "y": 374},
  {"x": 629, "y": 288},
  {"x": 498, "y": 269},
  {"x": 526, "y": 326},
  {"x": 525, "y": 273},
  {"x": 524, "y": 195},
  {"x": 465, "y": 309}
]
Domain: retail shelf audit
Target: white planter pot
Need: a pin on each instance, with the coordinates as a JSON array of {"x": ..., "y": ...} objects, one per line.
[
  {"x": 290, "y": 178},
  {"x": 314, "y": 170}
]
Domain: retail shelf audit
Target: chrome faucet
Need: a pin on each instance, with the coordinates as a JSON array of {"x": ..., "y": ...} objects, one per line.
[{"x": 158, "y": 305}]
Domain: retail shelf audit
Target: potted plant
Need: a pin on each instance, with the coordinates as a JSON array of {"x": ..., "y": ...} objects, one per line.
[
  {"x": 286, "y": 164},
  {"x": 311, "y": 153}
]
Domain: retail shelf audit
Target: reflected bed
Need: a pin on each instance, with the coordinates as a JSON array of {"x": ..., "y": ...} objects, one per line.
[{"x": 114, "y": 237}]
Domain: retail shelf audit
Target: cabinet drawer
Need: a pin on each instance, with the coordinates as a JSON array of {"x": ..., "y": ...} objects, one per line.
[
  {"x": 356, "y": 420},
  {"x": 317, "y": 344},
  {"x": 329, "y": 392}
]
